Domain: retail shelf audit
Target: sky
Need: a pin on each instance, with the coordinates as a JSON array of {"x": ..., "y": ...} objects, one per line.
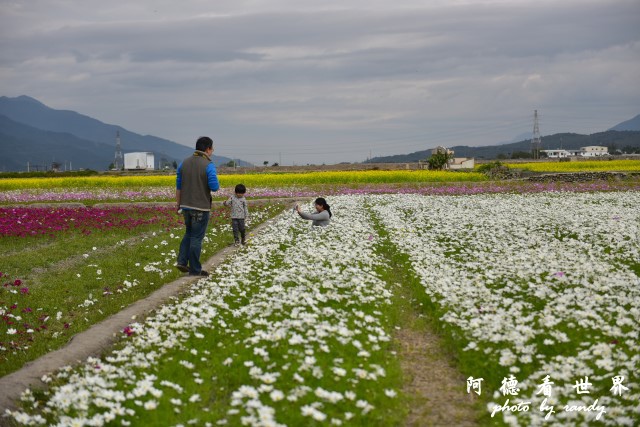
[{"x": 312, "y": 82}]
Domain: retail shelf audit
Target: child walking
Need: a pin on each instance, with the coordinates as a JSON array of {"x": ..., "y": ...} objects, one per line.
[{"x": 239, "y": 213}]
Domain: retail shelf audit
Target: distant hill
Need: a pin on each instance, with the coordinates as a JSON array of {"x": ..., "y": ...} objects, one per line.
[
  {"x": 20, "y": 144},
  {"x": 67, "y": 135},
  {"x": 610, "y": 138},
  {"x": 625, "y": 134},
  {"x": 631, "y": 124}
]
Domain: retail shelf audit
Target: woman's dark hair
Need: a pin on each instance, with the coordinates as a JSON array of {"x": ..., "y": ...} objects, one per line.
[
  {"x": 203, "y": 143},
  {"x": 322, "y": 202},
  {"x": 240, "y": 189}
]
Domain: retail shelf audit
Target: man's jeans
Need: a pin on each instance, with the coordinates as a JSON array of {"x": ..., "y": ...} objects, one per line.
[{"x": 196, "y": 226}]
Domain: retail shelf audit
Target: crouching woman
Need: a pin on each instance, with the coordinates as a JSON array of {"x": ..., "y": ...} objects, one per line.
[{"x": 321, "y": 217}]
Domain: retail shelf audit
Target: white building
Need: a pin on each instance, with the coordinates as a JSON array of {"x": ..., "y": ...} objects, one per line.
[
  {"x": 139, "y": 161},
  {"x": 560, "y": 153},
  {"x": 591, "y": 151},
  {"x": 461, "y": 163},
  {"x": 594, "y": 151}
]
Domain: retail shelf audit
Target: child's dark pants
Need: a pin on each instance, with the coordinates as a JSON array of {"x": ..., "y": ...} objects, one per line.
[{"x": 238, "y": 228}]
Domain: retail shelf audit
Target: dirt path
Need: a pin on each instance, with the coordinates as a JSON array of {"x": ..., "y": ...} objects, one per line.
[{"x": 437, "y": 388}]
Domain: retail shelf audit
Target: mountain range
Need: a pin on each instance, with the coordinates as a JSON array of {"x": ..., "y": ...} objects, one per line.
[
  {"x": 625, "y": 134},
  {"x": 32, "y": 132},
  {"x": 35, "y": 134}
]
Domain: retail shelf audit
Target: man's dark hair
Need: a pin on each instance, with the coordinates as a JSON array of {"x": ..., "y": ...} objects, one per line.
[
  {"x": 240, "y": 189},
  {"x": 203, "y": 143}
]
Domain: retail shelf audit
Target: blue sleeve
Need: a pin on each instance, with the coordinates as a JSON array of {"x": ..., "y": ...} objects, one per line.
[
  {"x": 179, "y": 177},
  {"x": 212, "y": 178}
]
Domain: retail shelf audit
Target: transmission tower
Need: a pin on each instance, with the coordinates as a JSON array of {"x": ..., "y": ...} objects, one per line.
[
  {"x": 536, "y": 142},
  {"x": 118, "y": 161}
]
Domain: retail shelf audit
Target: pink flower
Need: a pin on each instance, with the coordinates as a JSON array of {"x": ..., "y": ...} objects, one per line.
[
  {"x": 129, "y": 331},
  {"x": 559, "y": 274},
  {"x": 24, "y": 290}
]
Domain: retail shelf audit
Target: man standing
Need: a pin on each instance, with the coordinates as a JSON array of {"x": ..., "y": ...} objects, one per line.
[{"x": 195, "y": 180}]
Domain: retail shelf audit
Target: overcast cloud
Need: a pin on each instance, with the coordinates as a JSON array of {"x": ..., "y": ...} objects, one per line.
[{"x": 328, "y": 81}]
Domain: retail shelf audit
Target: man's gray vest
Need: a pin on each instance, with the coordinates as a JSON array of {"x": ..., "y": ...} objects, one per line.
[{"x": 195, "y": 192}]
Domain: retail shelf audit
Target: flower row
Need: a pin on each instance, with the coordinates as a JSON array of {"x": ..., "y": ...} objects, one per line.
[
  {"x": 533, "y": 285},
  {"x": 167, "y": 193},
  {"x": 32, "y": 221},
  {"x": 290, "y": 331}
]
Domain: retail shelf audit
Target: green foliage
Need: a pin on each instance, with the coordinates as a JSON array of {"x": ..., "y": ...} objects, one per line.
[
  {"x": 438, "y": 161},
  {"x": 487, "y": 167},
  {"x": 628, "y": 149},
  {"x": 522, "y": 155},
  {"x": 496, "y": 170}
]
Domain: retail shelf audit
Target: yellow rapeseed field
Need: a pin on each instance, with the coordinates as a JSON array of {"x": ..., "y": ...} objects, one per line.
[
  {"x": 581, "y": 166},
  {"x": 253, "y": 180},
  {"x": 276, "y": 180}
]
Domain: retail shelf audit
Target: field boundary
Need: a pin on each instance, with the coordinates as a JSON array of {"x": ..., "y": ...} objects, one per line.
[
  {"x": 579, "y": 176},
  {"x": 103, "y": 205},
  {"x": 101, "y": 336}
]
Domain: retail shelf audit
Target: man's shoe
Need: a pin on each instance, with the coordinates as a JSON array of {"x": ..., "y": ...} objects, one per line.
[
  {"x": 202, "y": 273},
  {"x": 236, "y": 244},
  {"x": 182, "y": 268}
]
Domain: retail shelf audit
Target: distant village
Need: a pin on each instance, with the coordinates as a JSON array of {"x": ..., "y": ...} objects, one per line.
[
  {"x": 454, "y": 163},
  {"x": 591, "y": 151}
]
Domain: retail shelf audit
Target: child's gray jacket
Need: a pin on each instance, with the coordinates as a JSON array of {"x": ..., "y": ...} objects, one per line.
[{"x": 239, "y": 209}]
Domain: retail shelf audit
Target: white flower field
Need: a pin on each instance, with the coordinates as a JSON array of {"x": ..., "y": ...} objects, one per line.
[
  {"x": 532, "y": 286},
  {"x": 538, "y": 296}
]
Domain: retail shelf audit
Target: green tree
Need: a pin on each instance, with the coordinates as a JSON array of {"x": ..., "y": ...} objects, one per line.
[{"x": 439, "y": 160}]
